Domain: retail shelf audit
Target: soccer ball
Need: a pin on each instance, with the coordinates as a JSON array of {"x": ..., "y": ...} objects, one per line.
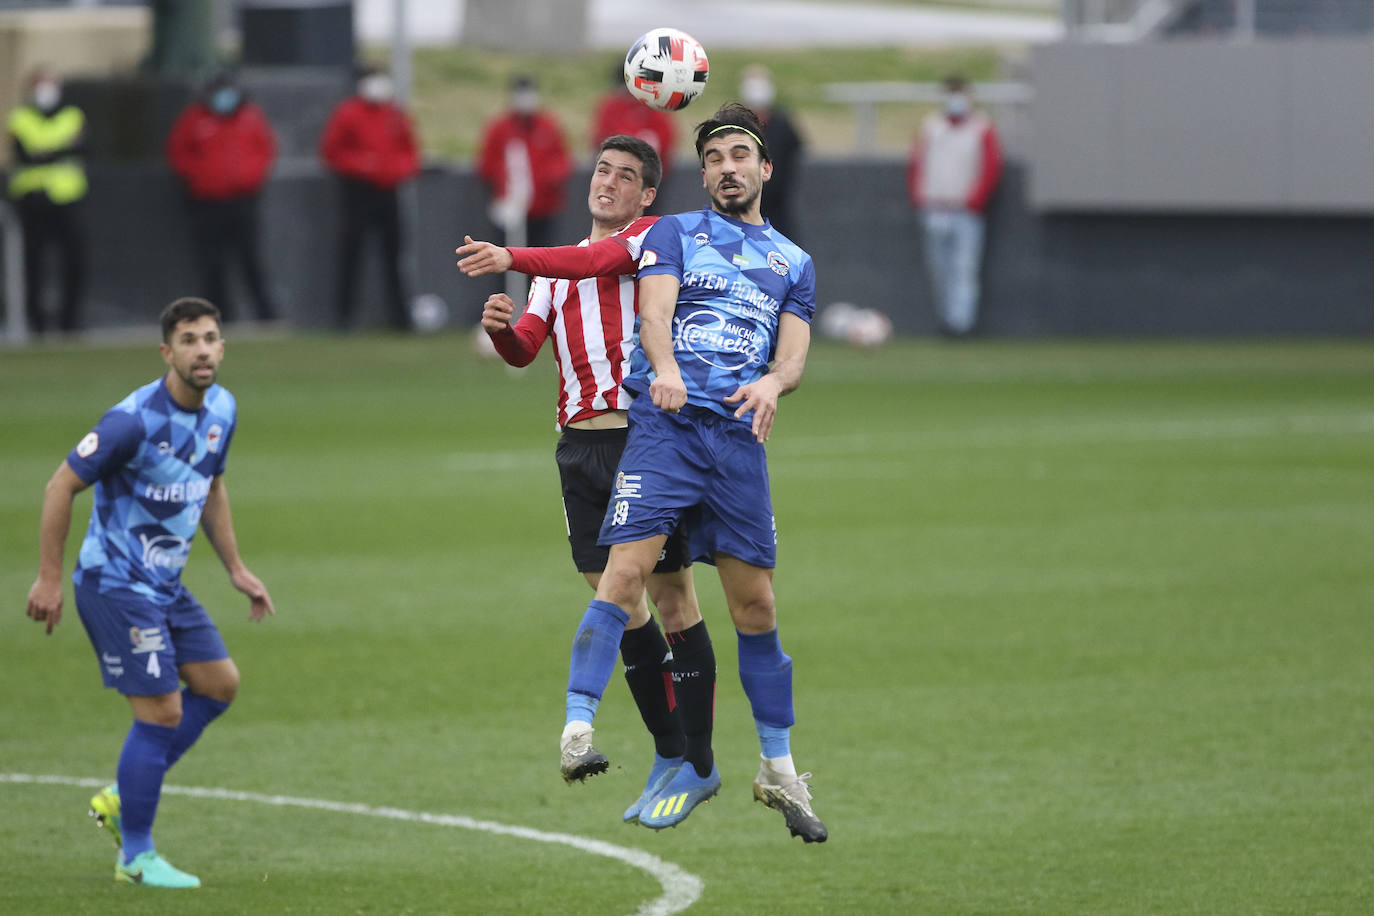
[{"x": 666, "y": 69}]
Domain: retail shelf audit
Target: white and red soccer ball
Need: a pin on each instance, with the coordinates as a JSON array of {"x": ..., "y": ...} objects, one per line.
[{"x": 666, "y": 69}]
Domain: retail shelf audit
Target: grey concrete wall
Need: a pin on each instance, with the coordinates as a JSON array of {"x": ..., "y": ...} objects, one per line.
[
  {"x": 1197, "y": 125},
  {"x": 1046, "y": 274}
]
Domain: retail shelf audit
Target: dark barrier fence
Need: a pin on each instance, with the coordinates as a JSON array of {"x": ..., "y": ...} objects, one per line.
[{"x": 1061, "y": 274}]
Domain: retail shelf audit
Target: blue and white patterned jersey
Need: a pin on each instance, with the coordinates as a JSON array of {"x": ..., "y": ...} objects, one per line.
[
  {"x": 736, "y": 281},
  {"x": 152, "y": 462}
]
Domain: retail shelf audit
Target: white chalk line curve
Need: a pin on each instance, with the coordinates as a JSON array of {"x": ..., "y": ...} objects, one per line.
[{"x": 681, "y": 888}]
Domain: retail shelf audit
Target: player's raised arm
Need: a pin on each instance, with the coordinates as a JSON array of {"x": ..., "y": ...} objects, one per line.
[
  {"x": 477, "y": 259},
  {"x": 604, "y": 258}
]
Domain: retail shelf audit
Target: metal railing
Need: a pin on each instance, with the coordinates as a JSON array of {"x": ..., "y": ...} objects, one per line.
[
  {"x": 12, "y": 265},
  {"x": 1006, "y": 99}
]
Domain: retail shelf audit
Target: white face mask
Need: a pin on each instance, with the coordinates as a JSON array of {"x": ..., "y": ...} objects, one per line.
[
  {"x": 757, "y": 92},
  {"x": 525, "y": 101},
  {"x": 376, "y": 88},
  {"x": 46, "y": 95},
  {"x": 957, "y": 105}
]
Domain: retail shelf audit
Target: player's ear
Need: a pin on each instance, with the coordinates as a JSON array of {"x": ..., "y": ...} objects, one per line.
[{"x": 648, "y": 196}]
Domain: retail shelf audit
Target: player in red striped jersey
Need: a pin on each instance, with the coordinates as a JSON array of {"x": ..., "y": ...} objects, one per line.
[{"x": 584, "y": 298}]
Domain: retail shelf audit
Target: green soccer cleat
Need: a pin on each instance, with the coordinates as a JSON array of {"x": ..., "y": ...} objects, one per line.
[
  {"x": 105, "y": 810},
  {"x": 151, "y": 870}
]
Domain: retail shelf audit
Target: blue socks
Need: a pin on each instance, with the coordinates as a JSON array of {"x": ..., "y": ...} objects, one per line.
[
  {"x": 594, "y": 652},
  {"x": 142, "y": 764},
  {"x": 766, "y": 674},
  {"x": 197, "y": 711}
]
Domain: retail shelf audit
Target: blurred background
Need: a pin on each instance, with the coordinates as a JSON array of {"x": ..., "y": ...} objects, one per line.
[{"x": 1170, "y": 167}]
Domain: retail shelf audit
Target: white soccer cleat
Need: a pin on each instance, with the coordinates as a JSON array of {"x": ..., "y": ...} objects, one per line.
[
  {"x": 792, "y": 796},
  {"x": 579, "y": 759}
]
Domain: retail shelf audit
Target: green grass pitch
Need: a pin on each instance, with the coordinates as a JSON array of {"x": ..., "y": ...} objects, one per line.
[{"x": 1079, "y": 628}]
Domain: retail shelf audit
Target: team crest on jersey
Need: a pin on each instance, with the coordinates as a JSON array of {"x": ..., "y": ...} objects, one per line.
[
  {"x": 146, "y": 640},
  {"x": 213, "y": 435},
  {"x": 87, "y": 446},
  {"x": 648, "y": 259},
  {"x": 701, "y": 238},
  {"x": 778, "y": 264}
]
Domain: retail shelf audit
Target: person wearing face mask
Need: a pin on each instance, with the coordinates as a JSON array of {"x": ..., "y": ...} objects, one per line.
[
  {"x": 525, "y": 163},
  {"x": 47, "y": 187},
  {"x": 369, "y": 144},
  {"x": 953, "y": 171},
  {"x": 785, "y": 145},
  {"x": 222, "y": 148}
]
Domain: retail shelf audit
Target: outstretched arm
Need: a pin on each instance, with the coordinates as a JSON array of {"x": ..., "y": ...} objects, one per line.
[
  {"x": 45, "y": 596},
  {"x": 218, "y": 523},
  {"x": 606, "y": 258}
]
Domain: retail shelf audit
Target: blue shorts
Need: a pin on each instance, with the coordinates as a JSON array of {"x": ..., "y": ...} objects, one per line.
[
  {"x": 696, "y": 466},
  {"x": 140, "y": 644}
]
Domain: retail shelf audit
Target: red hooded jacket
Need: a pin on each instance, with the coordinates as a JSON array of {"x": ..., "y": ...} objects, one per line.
[
  {"x": 549, "y": 160},
  {"x": 222, "y": 156},
  {"x": 370, "y": 141},
  {"x": 621, "y": 113}
]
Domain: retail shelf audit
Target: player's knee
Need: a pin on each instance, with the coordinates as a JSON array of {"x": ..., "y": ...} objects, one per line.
[
  {"x": 224, "y": 691},
  {"x": 623, "y": 586},
  {"x": 219, "y": 680},
  {"x": 755, "y": 613},
  {"x": 676, "y": 605},
  {"x": 164, "y": 710}
]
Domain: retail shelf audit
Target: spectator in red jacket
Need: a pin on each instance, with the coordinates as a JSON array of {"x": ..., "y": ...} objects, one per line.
[
  {"x": 954, "y": 167},
  {"x": 618, "y": 112},
  {"x": 525, "y": 163},
  {"x": 222, "y": 148},
  {"x": 369, "y": 143}
]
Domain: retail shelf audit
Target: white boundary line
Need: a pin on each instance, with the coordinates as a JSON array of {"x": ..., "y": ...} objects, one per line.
[{"x": 681, "y": 889}]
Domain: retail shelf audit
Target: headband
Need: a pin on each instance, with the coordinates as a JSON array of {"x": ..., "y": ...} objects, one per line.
[{"x": 743, "y": 130}]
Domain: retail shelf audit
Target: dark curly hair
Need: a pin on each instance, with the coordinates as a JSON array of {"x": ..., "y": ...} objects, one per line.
[{"x": 732, "y": 117}]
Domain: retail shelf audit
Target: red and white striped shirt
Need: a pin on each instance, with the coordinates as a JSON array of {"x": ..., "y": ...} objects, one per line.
[{"x": 591, "y": 320}]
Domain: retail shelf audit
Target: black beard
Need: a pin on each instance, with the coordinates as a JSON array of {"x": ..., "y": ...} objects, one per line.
[
  {"x": 192, "y": 382},
  {"x": 736, "y": 206}
]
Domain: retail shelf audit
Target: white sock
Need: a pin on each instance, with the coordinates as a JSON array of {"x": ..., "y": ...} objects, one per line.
[
  {"x": 779, "y": 766},
  {"x": 576, "y": 726}
]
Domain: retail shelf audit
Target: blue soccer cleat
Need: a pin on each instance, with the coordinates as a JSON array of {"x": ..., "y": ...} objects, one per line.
[
  {"x": 683, "y": 792},
  {"x": 663, "y": 770},
  {"x": 151, "y": 870},
  {"x": 105, "y": 810}
]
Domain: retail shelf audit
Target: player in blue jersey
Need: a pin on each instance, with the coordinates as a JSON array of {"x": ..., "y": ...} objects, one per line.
[
  {"x": 157, "y": 461},
  {"x": 724, "y": 329}
]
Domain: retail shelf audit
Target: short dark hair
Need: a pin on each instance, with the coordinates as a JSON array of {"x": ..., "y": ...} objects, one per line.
[
  {"x": 739, "y": 117},
  {"x": 650, "y": 166},
  {"x": 187, "y": 308}
]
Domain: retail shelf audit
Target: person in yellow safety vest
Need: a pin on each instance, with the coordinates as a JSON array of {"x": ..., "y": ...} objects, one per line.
[{"x": 47, "y": 186}]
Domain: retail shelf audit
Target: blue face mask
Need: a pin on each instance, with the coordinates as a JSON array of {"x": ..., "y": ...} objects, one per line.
[{"x": 225, "y": 100}]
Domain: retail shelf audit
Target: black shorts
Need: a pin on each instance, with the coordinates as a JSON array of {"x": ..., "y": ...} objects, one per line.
[{"x": 587, "y": 460}]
